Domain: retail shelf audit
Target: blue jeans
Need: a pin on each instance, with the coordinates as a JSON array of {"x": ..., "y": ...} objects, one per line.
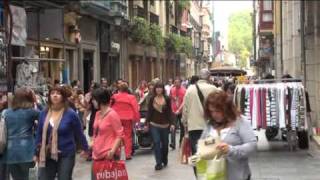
[
  {"x": 18, "y": 171},
  {"x": 62, "y": 169},
  {"x": 161, "y": 141}
]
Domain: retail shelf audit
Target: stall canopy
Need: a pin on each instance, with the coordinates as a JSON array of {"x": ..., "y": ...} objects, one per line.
[{"x": 227, "y": 71}]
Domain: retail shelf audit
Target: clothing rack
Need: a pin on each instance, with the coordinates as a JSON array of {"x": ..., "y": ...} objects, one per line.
[
  {"x": 274, "y": 104},
  {"x": 265, "y": 97}
]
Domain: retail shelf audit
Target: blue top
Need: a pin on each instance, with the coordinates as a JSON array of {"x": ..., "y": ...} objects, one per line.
[
  {"x": 69, "y": 130},
  {"x": 20, "y": 138}
]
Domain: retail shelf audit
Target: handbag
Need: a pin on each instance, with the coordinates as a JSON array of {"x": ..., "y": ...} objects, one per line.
[
  {"x": 185, "y": 152},
  {"x": 3, "y": 133},
  {"x": 207, "y": 147},
  {"x": 214, "y": 169},
  {"x": 110, "y": 170}
]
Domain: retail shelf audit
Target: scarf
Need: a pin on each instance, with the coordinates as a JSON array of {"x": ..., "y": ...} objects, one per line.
[{"x": 53, "y": 141}]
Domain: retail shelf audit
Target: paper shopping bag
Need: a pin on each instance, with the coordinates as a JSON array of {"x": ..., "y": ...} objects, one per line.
[
  {"x": 110, "y": 170},
  {"x": 185, "y": 151}
]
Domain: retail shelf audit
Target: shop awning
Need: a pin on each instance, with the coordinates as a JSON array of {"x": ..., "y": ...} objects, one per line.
[{"x": 227, "y": 71}]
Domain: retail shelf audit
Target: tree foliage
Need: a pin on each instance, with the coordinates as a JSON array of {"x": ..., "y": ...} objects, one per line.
[
  {"x": 181, "y": 6},
  {"x": 179, "y": 44},
  {"x": 140, "y": 31},
  {"x": 240, "y": 35},
  {"x": 156, "y": 36},
  {"x": 146, "y": 33}
]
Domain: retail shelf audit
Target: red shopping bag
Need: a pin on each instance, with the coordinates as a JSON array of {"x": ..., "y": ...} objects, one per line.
[
  {"x": 110, "y": 170},
  {"x": 185, "y": 152}
]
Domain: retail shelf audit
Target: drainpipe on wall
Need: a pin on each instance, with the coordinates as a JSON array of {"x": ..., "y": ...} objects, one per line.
[
  {"x": 281, "y": 39},
  {"x": 303, "y": 48},
  {"x": 254, "y": 35}
]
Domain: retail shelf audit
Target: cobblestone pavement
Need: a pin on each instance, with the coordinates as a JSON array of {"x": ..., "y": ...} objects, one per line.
[{"x": 275, "y": 164}]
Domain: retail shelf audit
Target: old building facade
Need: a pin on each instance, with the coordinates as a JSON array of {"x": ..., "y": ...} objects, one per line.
[{"x": 296, "y": 45}]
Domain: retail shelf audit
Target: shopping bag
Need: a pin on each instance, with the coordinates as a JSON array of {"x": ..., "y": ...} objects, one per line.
[
  {"x": 110, "y": 170},
  {"x": 33, "y": 173},
  {"x": 3, "y": 133},
  {"x": 214, "y": 169},
  {"x": 185, "y": 151}
]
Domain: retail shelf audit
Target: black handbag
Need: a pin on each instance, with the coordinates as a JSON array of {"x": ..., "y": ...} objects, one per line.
[{"x": 303, "y": 139}]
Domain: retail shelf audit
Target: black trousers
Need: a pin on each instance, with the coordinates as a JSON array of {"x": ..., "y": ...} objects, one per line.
[
  {"x": 173, "y": 133},
  {"x": 194, "y": 136}
]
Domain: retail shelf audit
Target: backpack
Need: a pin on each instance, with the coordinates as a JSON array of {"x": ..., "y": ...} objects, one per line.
[{"x": 3, "y": 132}]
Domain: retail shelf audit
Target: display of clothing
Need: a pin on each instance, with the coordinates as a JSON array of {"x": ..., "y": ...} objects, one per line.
[
  {"x": 279, "y": 105},
  {"x": 28, "y": 75}
]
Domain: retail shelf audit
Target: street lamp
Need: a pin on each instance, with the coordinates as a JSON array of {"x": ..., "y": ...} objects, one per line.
[{"x": 117, "y": 20}]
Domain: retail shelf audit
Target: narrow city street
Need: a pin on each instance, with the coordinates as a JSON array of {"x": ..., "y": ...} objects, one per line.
[{"x": 275, "y": 164}]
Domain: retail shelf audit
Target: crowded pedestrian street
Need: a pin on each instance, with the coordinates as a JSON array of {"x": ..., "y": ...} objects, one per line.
[{"x": 159, "y": 90}]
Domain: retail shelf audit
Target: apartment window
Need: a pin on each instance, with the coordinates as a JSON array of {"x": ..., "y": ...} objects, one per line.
[
  {"x": 154, "y": 19},
  {"x": 267, "y": 13},
  {"x": 152, "y": 2},
  {"x": 267, "y": 5},
  {"x": 140, "y": 12},
  {"x": 267, "y": 17}
]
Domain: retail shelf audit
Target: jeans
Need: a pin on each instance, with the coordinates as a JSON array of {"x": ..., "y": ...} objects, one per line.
[
  {"x": 62, "y": 169},
  {"x": 161, "y": 140},
  {"x": 18, "y": 171},
  {"x": 3, "y": 172},
  {"x": 194, "y": 136}
]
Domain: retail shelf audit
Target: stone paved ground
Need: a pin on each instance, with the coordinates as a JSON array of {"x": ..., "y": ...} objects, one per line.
[{"x": 275, "y": 164}]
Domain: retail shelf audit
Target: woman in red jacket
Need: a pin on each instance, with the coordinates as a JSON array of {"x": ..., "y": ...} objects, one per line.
[{"x": 127, "y": 107}]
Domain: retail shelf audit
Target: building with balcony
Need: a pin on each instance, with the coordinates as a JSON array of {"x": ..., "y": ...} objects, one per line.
[
  {"x": 196, "y": 32},
  {"x": 207, "y": 31},
  {"x": 264, "y": 36}
]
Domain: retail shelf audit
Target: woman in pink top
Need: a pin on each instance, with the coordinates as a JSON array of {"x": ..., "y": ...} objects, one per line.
[
  {"x": 127, "y": 107},
  {"x": 107, "y": 129}
]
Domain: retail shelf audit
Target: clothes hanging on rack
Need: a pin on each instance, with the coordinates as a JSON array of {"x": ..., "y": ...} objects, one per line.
[{"x": 279, "y": 105}]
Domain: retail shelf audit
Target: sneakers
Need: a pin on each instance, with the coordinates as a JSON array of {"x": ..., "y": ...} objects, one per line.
[{"x": 158, "y": 167}]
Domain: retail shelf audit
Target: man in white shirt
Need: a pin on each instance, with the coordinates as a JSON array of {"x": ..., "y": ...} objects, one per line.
[
  {"x": 193, "y": 113},
  {"x": 168, "y": 87}
]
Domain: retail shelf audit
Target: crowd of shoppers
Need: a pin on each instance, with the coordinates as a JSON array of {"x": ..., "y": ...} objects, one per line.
[{"x": 52, "y": 134}]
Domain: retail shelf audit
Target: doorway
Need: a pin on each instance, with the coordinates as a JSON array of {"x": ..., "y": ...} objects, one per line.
[{"x": 87, "y": 70}]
